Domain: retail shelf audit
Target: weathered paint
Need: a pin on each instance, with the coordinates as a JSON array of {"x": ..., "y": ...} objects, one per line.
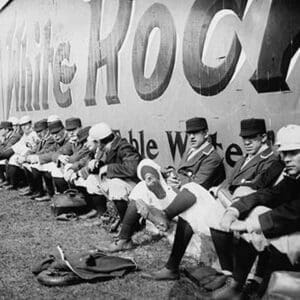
[{"x": 146, "y": 66}]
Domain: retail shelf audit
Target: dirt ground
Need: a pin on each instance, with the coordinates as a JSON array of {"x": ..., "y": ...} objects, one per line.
[{"x": 28, "y": 233}]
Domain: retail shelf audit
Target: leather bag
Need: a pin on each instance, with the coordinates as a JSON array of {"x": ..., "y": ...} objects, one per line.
[{"x": 70, "y": 201}]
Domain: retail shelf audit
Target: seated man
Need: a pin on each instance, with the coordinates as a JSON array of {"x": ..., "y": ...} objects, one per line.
[
  {"x": 201, "y": 164},
  {"x": 62, "y": 156},
  {"x": 10, "y": 135},
  {"x": 116, "y": 163},
  {"x": 75, "y": 173},
  {"x": 46, "y": 144},
  {"x": 271, "y": 219},
  {"x": 184, "y": 230},
  {"x": 17, "y": 152},
  {"x": 245, "y": 176},
  {"x": 43, "y": 161}
]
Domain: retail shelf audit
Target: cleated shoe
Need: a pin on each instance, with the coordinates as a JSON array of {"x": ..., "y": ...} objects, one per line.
[
  {"x": 120, "y": 245},
  {"x": 163, "y": 274},
  {"x": 43, "y": 198},
  {"x": 153, "y": 214}
]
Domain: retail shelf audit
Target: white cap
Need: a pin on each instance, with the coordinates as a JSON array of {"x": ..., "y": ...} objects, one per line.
[
  {"x": 24, "y": 120},
  {"x": 288, "y": 138},
  {"x": 53, "y": 118},
  {"x": 13, "y": 120},
  {"x": 100, "y": 131}
]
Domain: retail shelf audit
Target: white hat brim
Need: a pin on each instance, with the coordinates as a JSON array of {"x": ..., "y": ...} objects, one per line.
[{"x": 289, "y": 147}]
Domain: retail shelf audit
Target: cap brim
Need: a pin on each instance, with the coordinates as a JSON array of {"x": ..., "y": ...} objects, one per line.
[
  {"x": 56, "y": 131},
  {"x": 290, "y": 147},
  {"x": 195, "y": 130},
  {"x": 21, "y": 124},
  {"x": 71, "y": 128}
]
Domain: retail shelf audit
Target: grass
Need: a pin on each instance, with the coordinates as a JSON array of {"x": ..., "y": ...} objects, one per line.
[{"x": 28, "y": 233}]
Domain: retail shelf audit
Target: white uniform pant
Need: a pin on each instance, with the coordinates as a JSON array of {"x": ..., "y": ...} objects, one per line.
[{"x": 113, "y": 189}]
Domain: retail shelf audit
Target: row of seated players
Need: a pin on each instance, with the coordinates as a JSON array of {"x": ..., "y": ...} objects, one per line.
[{"x": 106, "y": 166}]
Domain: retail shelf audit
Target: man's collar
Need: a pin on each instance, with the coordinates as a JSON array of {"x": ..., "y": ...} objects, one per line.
[
  {"x": 205, "y": 144},
  {"x": 292, "y": 177}
]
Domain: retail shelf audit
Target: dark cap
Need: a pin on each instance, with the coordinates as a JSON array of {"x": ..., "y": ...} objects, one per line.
[
  {"x": 251, "y": 127},
  {"x": 195, "y": 125},
  {"x": 83, "y": 134},
  {"x": 55, "y": 126},
  {"x": 73, "y": 123},
  {"x": 40, "y": 125},
  {"x": 6, "y": 125}
]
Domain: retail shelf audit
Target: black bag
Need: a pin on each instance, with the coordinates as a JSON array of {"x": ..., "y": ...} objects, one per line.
[
  {"x": 199, "y": 282},
  {"x": 70, "y": 201}
]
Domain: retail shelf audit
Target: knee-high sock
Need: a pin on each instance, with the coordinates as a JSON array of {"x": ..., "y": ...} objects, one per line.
[
  {"x": 29, "y": 179},
  {"x": 244, "y": 255},
  {"x": 277, "y": 262},
  {"x": 263, "y": 259},
  {"x": 184, "y": 200},
  {"x": 121, "y": 206},
  {"x": 183, "y": 235},
  {"x": 98, "y": 202},
  {"x": 37, "y": 181},
  {"x": 48, "y": 182},
  {"x": 2, "y": 172},
  {"x": 60, "y": 184},
  {"x": 14, "y": 175},
  {"x": 130, "y": 221},
  {"x": 223, "y": 242}
]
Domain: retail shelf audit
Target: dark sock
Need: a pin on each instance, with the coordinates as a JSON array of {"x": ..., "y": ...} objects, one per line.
[
  {"x": 130, "y": 221},
  {"x": 183, "y": 235},
  {"x": 223, "y": 243},
  {"x": 244, "y": 255},
  {"x": 99, "y": 202},
  {"x": 2, "y": 172},
  {"x": 14, "y": 175},
  {"x": 184, "y": 200},
  {"x": 262, "y": 263},
  {"x": 49, "y": 183},
  {"x": 60, "y": 184},
  {"x": 37, "y": 181},
  {"x": 29, "y": 179},
  {"x": 121, "y": 206},
  {"x": 278, "y": 261}
]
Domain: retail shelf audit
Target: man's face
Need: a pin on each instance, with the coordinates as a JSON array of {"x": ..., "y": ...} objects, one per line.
[
  {"x": 58, "y": 135},
  {"x": 91, "y": 144},
  {"x": 26, "y": 128},
  {"x": 104, "y": 147},
  {"x": 253, "y": 143},
  {"x": 72, "y": 134},
  {"x": 197, "y": 138},
  {"x": 41, "y": 134},
  {"x": 292, "y": 162}
]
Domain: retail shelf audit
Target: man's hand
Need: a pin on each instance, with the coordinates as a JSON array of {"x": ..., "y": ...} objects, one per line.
[
  {"x": 173, "y": 181},
  {"x": 64, "y": 159},
  {"x": 20, "y": 159},
  {"x": 228, "y": 218},
  {"x": 33, "y": 159},
  {"x": 84, "y": 172},
  {"x": 92, "y": 164},
  {"x": 237, "y": 225}
]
